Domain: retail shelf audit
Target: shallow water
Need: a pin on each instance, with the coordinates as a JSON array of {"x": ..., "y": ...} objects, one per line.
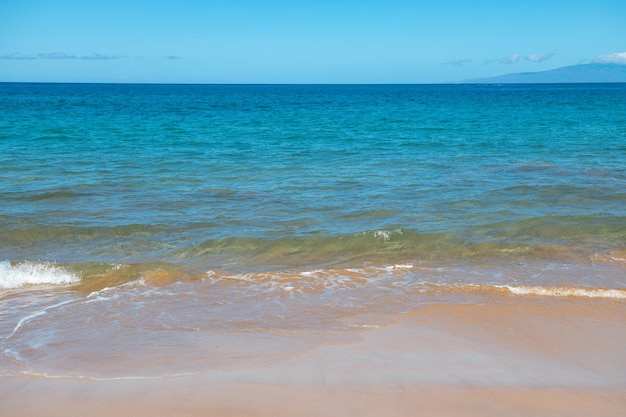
[{"x": 300, "y": 176}]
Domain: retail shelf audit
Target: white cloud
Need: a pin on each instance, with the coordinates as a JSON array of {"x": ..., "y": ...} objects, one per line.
[
  {"x": 18, "y": 56},
  {"x": 511, "y": 59},
  {"x": 614, "y": 58},
  {"x": 538, "y": 57},
  {"x": 457, "y": 62},
  {"x": 60, "y": 55},
  {"x": 57, "y": 55},
  {"x": 96, "y": 55}
]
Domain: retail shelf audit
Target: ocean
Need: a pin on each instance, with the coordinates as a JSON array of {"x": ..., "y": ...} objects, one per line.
[{"x": 150, "y": 232}]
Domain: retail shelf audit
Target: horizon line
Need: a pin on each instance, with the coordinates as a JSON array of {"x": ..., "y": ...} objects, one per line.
[{"x": 464, "y": 82}]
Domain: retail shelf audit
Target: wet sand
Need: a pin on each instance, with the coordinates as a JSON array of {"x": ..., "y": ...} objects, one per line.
[
  {"x": 539, "y": 359},
  {"x": 201, "y": 397}
]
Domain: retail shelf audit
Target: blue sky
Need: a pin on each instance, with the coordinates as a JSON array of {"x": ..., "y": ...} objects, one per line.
[{"x": 340, "y": 41}]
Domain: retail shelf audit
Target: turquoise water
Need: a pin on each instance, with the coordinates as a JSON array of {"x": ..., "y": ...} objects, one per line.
[{"x": 248, "y": 177}]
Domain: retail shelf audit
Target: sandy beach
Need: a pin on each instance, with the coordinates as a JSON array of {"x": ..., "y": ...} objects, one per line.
[
  {"x": 441, "y": 360},
  {"x": 201, "y": 397}
]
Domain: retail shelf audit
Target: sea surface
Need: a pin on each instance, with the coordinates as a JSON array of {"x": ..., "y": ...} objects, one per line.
[{"x": 148, "y": 231}]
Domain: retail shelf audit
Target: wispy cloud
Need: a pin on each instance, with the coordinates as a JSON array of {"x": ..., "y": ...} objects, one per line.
[
  {"x": 60, "y": 55},
  {"x": 56, "y": 55},
  {"x": 457, "y": 62},
  {"x": 511, "y": 59},
  {"x": 613, "y": 58},
  {"x": 18, "y": 56},
  {"x": 515, "y": 58},
  {"x": 96, "y": 55},
  {"x": 538, "y": 57}
]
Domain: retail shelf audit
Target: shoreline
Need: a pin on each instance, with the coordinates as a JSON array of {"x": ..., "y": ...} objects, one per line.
[{"x": 441, "y": 360}]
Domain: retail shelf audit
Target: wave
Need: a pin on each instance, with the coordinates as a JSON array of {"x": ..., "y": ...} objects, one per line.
[
  {"x": 568, "y": 292},
  {"x": 422, "y": 277},
  {"x": 407, "y": 278},
  {"x": 207, "y": 242},
  {"x": 389, "y": 246},
  {"x": 100, "y": 275},
  {"x": 375, "y": 246},
  {"x": 87, "y": 277},
  {"x": 524, "y": 290},
  {"x": 27, "y": 273}
]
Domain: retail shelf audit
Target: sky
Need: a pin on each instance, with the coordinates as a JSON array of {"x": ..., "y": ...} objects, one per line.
[{"x": 323, "y": 41}]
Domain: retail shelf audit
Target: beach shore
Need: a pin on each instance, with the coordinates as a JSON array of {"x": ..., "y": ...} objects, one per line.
[{"x": 440, "y": 360}]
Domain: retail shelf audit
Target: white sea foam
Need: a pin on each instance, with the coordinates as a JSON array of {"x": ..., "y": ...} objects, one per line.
[
  {"x": 27, "y": 273},
  {"x": 568, "y": 291},
  {"x": 386, "y": 234},
  {"x": 398, "y": 267},
  {"x": 614, "y": 257},
  {"x": 34, "y": 315},
  {"x": 313, "y": 273},
  {"x": 103, "y": 379}
]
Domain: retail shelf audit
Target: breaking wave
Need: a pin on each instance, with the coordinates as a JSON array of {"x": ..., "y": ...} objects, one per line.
[
  {"x": 29, "y": 273},
  {"x": 406, "y": 278}
]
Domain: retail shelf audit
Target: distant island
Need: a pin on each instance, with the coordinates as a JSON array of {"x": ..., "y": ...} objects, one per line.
[{"x": 583, "y": 73}]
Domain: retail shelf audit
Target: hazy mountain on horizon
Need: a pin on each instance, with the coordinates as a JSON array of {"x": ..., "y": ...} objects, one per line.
[{"x": 583, "y": 73}]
